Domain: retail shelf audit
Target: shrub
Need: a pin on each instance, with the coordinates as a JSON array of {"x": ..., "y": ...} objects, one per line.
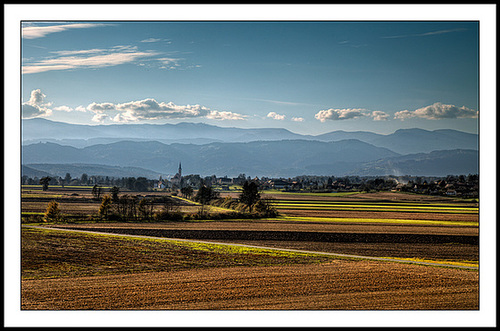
[
  {"x": 105, "y": 206},
  {"x": 53, "y": 213},
  {"x": 168, "y": 216}
]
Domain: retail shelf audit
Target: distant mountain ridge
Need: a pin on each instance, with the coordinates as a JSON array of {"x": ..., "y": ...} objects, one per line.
[
  {"x": 403, "y": 141},
  {"x": 285, "y": 158},
  {"x": 149, "y": 150},
  {"x": 268, "y": 158}
]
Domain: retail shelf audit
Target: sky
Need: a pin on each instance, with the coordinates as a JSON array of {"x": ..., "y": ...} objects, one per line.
[{"x": 310, "y": 77}]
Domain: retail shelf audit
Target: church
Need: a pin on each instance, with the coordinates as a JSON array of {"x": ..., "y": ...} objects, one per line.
[{"x": 176, "y": 180}]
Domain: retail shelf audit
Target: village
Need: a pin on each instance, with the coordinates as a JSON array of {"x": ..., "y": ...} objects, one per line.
[{"x": 464, "y": 186}]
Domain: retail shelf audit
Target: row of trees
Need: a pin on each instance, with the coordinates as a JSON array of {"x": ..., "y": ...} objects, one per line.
[
  {"x": 132, "y": 208},
  {"x": 249, "y": 200}
]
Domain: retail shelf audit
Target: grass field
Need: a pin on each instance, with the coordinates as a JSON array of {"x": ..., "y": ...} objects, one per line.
[{"x": 161, "y": 273}]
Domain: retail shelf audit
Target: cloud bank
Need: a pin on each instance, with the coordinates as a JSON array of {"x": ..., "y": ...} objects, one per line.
[
  {"x": 150, "y": 109},
  {"x": 339, "y": 114},
  {"x": 438, "y": 111},
  {"x": 133, "y": 111}
]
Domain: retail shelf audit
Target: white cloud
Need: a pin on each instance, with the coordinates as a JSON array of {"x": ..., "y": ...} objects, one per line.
[
  {"x": 100, "y": 107},
  {"x": 379, "y": 115},
  {"x": 63, "y": 108},
  {"x": 150, "y": 109},
  {"x": 339, "y": 114},
  {"x": 69, "y": 109},
  {"x": 99, "y": 117},
  {"x": 78, "y": 52},
  {"x": 276, "y": 116},
  {"x": 37, "y": 97},
  {"x": 438, "y": 111},
  {"x": 225, "y": 115},
  {"x": 298, "y": 119},
  {"x": 92, "y": 58},
  {"x": 32, "y": 32},
  {"x": 169, "y": 63},
  {"x": 30, "y": 111},
  {"x": 36, "y": 106},
  {"x": 150, "y": 40}
]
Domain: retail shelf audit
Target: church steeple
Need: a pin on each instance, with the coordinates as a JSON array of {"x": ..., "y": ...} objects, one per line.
[{"x": 180, "y": 169}]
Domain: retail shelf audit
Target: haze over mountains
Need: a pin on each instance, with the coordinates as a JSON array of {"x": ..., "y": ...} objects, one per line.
[{"x": 151, "y": 150}]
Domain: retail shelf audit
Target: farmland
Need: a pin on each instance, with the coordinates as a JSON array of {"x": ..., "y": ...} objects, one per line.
[{"x": 189, "y": 264}]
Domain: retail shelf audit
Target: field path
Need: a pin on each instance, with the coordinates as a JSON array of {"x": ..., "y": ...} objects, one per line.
[{"x": 387, "y": 259}]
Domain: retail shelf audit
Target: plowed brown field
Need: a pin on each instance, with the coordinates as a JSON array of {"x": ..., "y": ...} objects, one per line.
[
  {"x": 75, "y": 271},
  {"x": 346, "y": 285}
]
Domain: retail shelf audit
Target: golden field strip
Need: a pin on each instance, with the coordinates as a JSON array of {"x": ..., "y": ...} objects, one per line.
[
  {"x": 379, "y": 220},
  {"x": 434, "y": 208}
]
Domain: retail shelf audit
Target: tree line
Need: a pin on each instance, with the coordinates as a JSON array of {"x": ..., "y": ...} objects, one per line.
[{"x": 128, "y": 207}]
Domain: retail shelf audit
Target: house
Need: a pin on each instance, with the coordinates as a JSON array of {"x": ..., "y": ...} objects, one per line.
[
  {"x": 225, "y": 181},
  {"x": 279, "y": 184},
  {"x": 161, "y": 184}
]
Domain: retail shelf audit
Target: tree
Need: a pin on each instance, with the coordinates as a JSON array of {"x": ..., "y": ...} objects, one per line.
[
  {"x": 204, "y": 195},
  {"x": 187, "y": 191},
  {"x": 45, "y": 183},
  {"x": 145, "y": 208},
  {"x": 250, "y": 194},
  {"x": 266, "y": 208},
  {"x": 53, "y": 213},
  {"x": 97, "y": 191},
  {"x": 84, "y": 179},
  {"x": 114, "y": 193},
  {"x": 67, "y": 178},
  {"x": 141, "y": 184},
  {"x": 127, "y": 207},
  {"x": 105, "y": 206}
]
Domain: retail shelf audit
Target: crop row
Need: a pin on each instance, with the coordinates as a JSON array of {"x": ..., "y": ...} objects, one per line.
[
  {"x": 377, "y": 220},
  {"x": 374, "y": 207}
]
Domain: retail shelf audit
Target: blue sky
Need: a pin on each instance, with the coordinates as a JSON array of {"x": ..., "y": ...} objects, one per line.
[{"x": 308, "y": 77}]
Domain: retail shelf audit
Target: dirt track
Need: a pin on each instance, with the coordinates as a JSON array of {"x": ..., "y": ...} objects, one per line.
[{"x": 345, "y": 285}]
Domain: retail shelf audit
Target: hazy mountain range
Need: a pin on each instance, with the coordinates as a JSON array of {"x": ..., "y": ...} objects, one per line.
[{"x": 150, "y": 150}]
